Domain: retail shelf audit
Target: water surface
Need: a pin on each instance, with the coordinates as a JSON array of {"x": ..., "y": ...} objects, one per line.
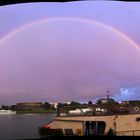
[{"x": 22, "y": 126}]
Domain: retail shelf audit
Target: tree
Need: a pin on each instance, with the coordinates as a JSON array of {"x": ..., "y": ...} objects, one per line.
[
  {"x": 5, "y": 107},
  {"x": 73, "y": 103},
  {"x": 111, "y": 106},
  {"x": 13, "y": 107},
  {"x": 90, "y": 103},
  {"x": 111, "y": 132},
  {"x": 99, "y": 102},
  {"x": 46, "y": 105}
]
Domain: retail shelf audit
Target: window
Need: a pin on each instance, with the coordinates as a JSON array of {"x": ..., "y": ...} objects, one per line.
[{"x": 138, "y": 119}]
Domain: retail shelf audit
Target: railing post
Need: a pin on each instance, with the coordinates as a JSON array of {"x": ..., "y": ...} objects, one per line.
[{"x": 133, "y": 132}]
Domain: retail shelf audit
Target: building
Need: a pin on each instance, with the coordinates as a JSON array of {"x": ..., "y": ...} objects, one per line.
[
  {"x": 101, "y": 110},
  {"x": 54, "y": 105},
  {"x": 125, "y": 103},
  {"x": 29, "y": 106},
  {"x": 105, "y": 100},
  {"x": 68, "y": 103}
]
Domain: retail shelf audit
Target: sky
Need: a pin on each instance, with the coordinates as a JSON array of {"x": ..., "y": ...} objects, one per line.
[{"x": 59, "y": 52}]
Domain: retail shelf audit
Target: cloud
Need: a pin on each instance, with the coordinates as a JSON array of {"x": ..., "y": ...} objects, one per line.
[{"x": 68, "y": 60}]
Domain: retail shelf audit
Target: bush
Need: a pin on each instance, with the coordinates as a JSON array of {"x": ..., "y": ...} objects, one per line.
[{"x": 111, "y": 132}]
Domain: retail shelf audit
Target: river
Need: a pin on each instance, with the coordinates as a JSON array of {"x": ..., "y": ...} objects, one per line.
[{"x": 22, "y": 126}]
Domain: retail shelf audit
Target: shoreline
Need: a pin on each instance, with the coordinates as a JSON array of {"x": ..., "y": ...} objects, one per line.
[{"x": 35, "y": 111}]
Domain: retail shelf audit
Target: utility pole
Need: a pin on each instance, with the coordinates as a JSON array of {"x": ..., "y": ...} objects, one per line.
[{"x": 107, "y": 94}]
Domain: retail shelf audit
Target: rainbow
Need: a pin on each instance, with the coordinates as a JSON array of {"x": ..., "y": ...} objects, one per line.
[{"x": 88, "y": 21}]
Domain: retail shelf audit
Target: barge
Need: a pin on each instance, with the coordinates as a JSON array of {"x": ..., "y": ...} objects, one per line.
[{"x": 117, "y": 124}]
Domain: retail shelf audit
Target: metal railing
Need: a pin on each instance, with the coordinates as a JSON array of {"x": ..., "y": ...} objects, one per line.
[{"x": 128, "y": 133}]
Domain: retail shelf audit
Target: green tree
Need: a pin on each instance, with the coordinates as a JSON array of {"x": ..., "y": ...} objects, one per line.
[
  {"x": 13, "y": 107},
  {"x": 74, "y": 103},
  {"x": 111, "y": 132},
  {"x": 90, "y": 103},
  {"x": 47, "y": 105},
  {"x": 5, "y": 107}
]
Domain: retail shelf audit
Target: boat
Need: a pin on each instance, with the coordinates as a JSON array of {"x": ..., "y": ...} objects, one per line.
[
  {"x": 80, "y": 111},
  {"x": 116, "y": 124},
  {"x": 95, "y": 120},
  {"x": 2, "y": 111}
]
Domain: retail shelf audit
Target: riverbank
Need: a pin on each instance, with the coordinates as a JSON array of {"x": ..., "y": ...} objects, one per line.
[{"x": 35, "y": 111}]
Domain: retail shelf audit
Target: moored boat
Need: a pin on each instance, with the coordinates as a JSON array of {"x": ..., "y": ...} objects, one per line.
[
  {"x": 7, "y": 112},
  {"x": 117, "y": 124}
]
